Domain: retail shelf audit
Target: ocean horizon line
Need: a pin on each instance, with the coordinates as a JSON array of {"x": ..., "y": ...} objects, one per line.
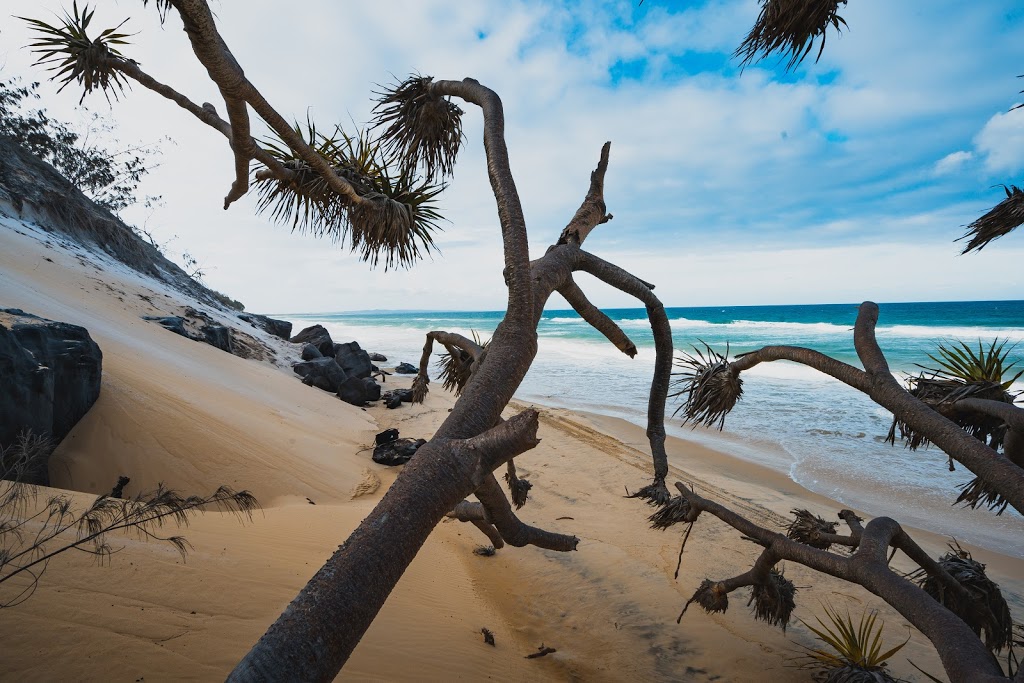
[{"x": 393, "y": 311}]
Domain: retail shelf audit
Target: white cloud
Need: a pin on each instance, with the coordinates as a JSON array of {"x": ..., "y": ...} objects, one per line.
[
  {"x": 951, "y": 163},
  {"x": 1001, "y": 142}
]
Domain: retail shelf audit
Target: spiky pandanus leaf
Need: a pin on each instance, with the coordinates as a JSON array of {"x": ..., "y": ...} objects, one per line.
[
  {"x": 773, "y": 601},
  {"x": 855, "y": 654},
  {"x": 790, "y": 27},
  {"x": 709, "y": 384},
  {"x": 162, "y": 7},
  {"x": 961, "y": 372},
  {"x": 987, "y": 610},
  {"x": 672, "y": 512},
  {"x": 395, "y": 221},
  {"x": 806, "y": 528},
  {"x": 1002, "y": 219},
  {"x": 67, "y": 50},
  {"x": 420, "y": 129}
]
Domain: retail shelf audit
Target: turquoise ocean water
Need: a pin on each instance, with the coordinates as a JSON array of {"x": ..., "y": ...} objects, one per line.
[{"x": 824, "y": 435}]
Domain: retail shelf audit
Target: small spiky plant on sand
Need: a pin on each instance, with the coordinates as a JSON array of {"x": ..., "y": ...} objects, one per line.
[{"x": 854, "y": 653}]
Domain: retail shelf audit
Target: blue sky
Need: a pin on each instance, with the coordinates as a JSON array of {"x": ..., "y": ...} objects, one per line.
[{"x": 846, "y": 180}]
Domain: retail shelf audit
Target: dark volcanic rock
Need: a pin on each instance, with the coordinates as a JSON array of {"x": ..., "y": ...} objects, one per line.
[
  {"x": 378, "y": 357},
  {"x": 49, "y": 377},
  {"x": 219, "y": 336},
  {"x": 359, "y": 391},
  {"x": 278, "y": 328},
  {"x": 172, "y": 323},
  {"x": 353, "y": 360},
  {"x": 406, "y": 369},
  {"x": 387, "y": 436},
  {"x": 396, "y": 397},
  {"x": 397, "y": 452},
  {"x": 322, "y": 373},
  {"x": 318, "y": 336},
  {"x": 309, "y": 352}
]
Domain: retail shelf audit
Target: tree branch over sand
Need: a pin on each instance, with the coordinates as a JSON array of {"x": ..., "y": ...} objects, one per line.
[{"x": 966, "y": 625}]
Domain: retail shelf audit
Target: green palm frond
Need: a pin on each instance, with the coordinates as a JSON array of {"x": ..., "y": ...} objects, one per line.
[
  {"x": 395, "y": 222},
  {"x": 709, "y": 384},
  {"x": 66, "y": 49},
  {"x": 420, "y": 129},
  {"x": 790, "y": 27},
  {"x": 1002, "y": 219},
  {"x": 853, "y": 649},
  {"x": 961, "y": 372}
]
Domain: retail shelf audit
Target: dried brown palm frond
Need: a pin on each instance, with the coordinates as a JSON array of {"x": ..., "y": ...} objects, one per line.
[
  {"x": 162, "y": 7},
  {"x": 672, "y": 512},
  {"x": 73, "y": 56},
  {"x": 655, "y": 493},
  {"x": 710, "y": 595},
  {"x": 710, "y": 385},
  {"x": 395, "y": 221},
  {"x": 518, "y": 488},
  {"x": 420, "y": 388},
  {"x": 1002, "y": 219},
  {"x": 979, "y": 493},
  {"x": 807, "y": 529},
  {"x": 986, "y": 611},
  {"x": 773, "y": 600},
  {"x": 56, "y": 528},
  {"x": 421, "y": 129},
  {"x": 790, "y": 27},
  {"x": 456, "y": 364},
  {"x": 962, "y": 372}
]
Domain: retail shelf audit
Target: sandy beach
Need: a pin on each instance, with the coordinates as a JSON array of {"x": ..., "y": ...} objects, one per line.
[{"x": 175, "y": 411}]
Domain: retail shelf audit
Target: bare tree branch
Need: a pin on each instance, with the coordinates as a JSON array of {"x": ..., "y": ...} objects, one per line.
[{"x": 597, "y": 318}]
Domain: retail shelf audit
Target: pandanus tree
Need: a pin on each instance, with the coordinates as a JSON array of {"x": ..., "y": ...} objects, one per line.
[
  {"x": 962, "y": 404},
  {"x": 377, "y": 195}
]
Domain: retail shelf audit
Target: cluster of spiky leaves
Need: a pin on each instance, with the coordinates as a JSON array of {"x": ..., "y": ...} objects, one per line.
[
  {"x": 456, "y": 365},
  {"x": 979, "y": 493},
  {"x": 395, "y": 221},
  {"x": 420, "y": 388},
  {"x": 855, "y": 654},
  {"x": 671, "y": 513},
  {"x": 790, "y": 27},
  {"x": 962, "y": 372},
  {"x": 807, "y": 527},
  {"x": 1003, "y": 218},
  {"x": 710, "y": 385},
  {"x": 655, "y": 493},
  {"x": 773, "y": 600},
  {"x": 518, "y": 488},
  {"x": 66, "y": 49},
  {"x": 986, "y": 611},
  {"x": 711, "y": 596},
  {"x": 421, "y": 129}
]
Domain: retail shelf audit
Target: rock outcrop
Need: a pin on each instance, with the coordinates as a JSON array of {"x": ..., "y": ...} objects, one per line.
[
  {"x": 49, "y": 377},
  {"x": 278, "y": 328}
]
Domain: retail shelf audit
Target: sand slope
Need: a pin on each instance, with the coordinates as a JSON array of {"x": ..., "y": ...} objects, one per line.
[{"x": 180, "y": 412}]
